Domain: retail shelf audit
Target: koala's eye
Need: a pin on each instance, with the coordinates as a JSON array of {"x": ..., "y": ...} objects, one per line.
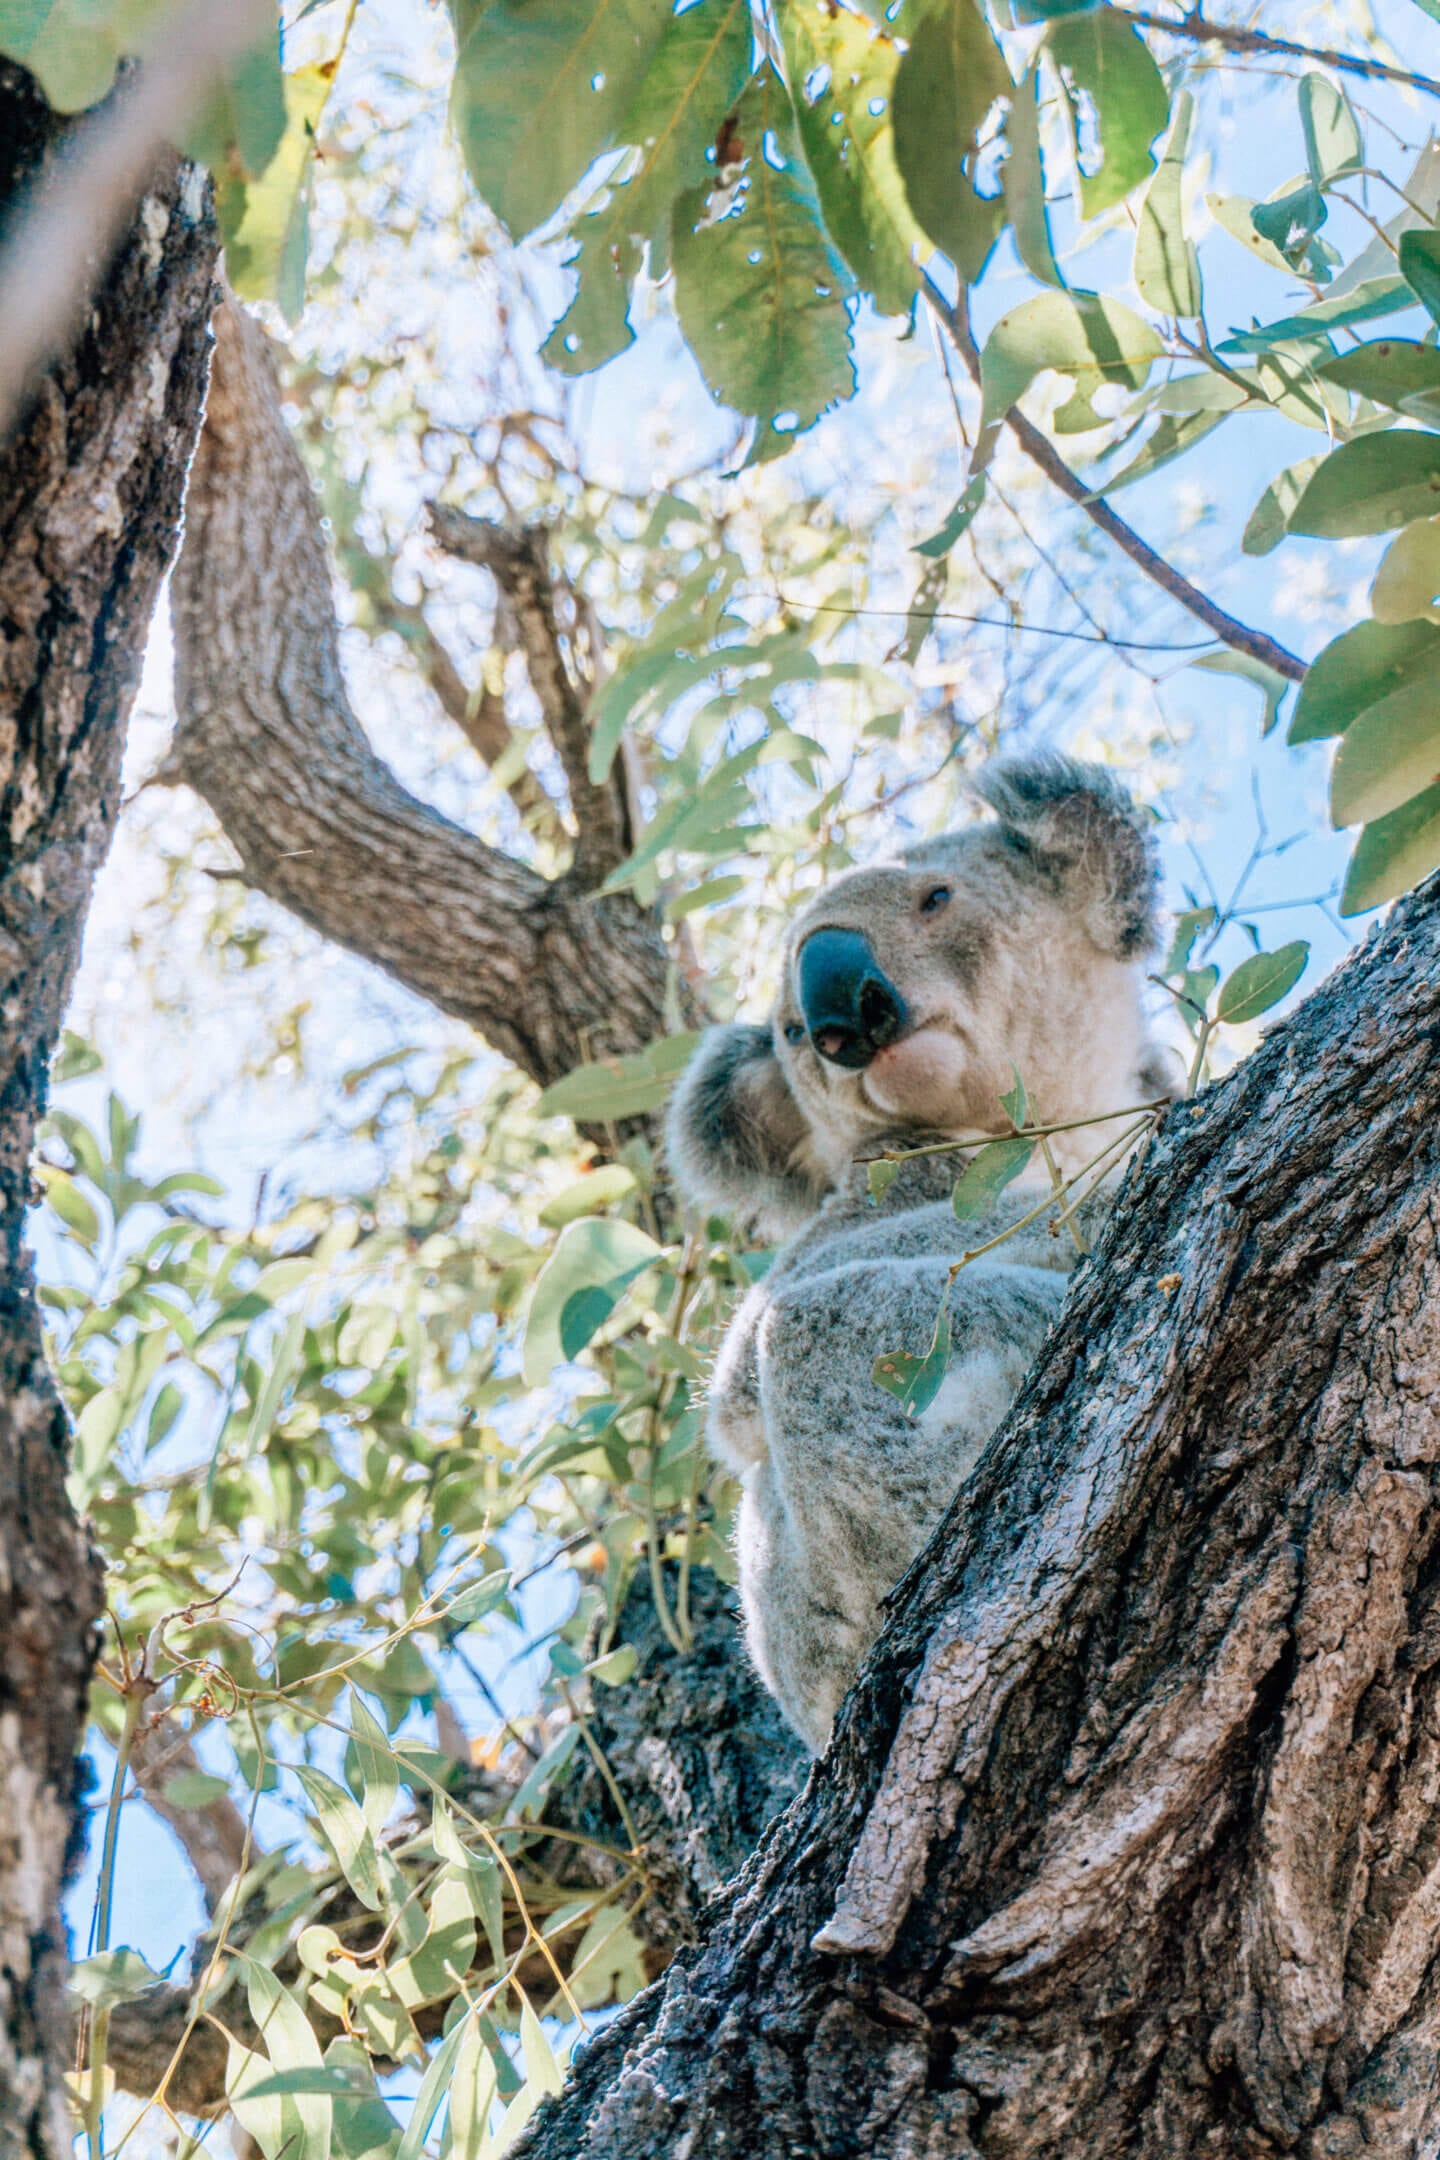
[
  {"x": 937, "y": 898},
  {"x": 794, "y": 1033}
]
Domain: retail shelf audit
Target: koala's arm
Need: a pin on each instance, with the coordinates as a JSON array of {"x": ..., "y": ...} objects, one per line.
[
  {"x": 851, "y": 1488},
  {"x": 734, "y": 1424}
]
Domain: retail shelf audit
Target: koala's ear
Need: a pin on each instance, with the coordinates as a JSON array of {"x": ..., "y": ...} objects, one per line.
[
  {"x": 736, "y": 1138},
  {"x": 1077, "y": 827}
]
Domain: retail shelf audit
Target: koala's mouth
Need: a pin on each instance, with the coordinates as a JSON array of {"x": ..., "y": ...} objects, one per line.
[{"x": 919, "y": 1077}]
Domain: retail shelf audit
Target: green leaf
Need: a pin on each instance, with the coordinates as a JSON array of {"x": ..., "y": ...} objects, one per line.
[
  {"x": 542, "y": 2070},
  {"x": 961, "y": 518},
  {"x": 945, "y": 86},
  {"x": 541, "y": 88},
  {"x": 1399, "y": 372},
  {"x": 1188, "y": 926},
  {"x": 70, "y": 1204},
  {"x": 598, "y": 1189},
  {"x": 760, "y": 289},
  {"x": 1167, "y": 269},
  {"x": 1089, "y": 337},
  {"x": 337, "y": 2083},
  {"x": 433, "y": 2088},
  {"x": 842, "y": 76},
  {"x": 291, "y": 2045},
  {"x": 616, "y": 1667},
  {"x": 1271, "y": 685},
  {"x": 1269, "y": 521},
  {"x": 266, "y": 222},
  {"x": 623, "y": 1087},
  {"x": 1378, "y": 296},
  {"x": 986, "y": 1175},
  {"x": 1023, "y": 180},
  {"x": 1358, "y": 669},
  {"x": 592, "y": 1266},
  {"x": 1420, "y": 264},
  {"x": 916, "y": 1381},
  {"x": 1332, "y": 133},
  {"x": 1108, "y": 60},
  {"x": 1171, "y": 438},
  {"x": 1260, "y": 982},
  {"x": 346, "y": 1832},
  {"x": 700, "y": 68},
  {"x": 1393, "y": 854},
  {"x": 73, "y": 47},
  {"x": 1290, "y": 222},
  {"x": 244, "y": 123},
  {"x": 441, "y": 1961},
  {"x": 879, "y": 1177},
  {"x": 1407, "y": 582},
  {"x": 375, "y": 1773},
  {"x": 110, "y": 1977},
  {"x": 1371, "y": 485},
  {"x": 1235, "y": 214},
  {"x": 1387, "y": 755},
  {"x": 1015, "y": 1102}
]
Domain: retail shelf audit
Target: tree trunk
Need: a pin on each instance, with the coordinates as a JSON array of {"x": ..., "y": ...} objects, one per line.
[
  {"x": 90, "y": 495},
  {"x": 1128, "y": 1839}
]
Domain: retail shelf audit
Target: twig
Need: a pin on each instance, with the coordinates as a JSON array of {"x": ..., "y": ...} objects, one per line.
[
  {"x": 516, "y": 559},
  {"x": 1038, "y": 447},
  {"x": 66, "y": 234},
  {"x": 1235, "y": 39}
]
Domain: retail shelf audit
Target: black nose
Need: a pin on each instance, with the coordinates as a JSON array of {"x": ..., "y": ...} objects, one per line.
[{"x": 851, "y": 1009}]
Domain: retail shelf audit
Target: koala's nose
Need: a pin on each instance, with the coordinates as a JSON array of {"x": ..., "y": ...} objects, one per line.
[{"x": 851, "y": 1008}]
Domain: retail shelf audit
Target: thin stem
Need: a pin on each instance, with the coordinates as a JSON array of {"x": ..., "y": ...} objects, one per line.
[
  {"x": 1057, "y": 1187},
  {"x": 1235, "y": 39},
  {"x": 1038, "y": 447},
  {"x": 1116, "y": 1147},
  {"x": 1202, "y": 1043},
  {"x": 135, "y": 1702},
  {"x": 692, "y": 1510},
  {"x": 1024, "y": 1132}
]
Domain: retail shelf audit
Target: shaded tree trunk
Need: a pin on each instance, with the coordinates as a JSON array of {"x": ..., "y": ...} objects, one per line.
[
  {"x": 1128, "y": 1840},
  {"x": 90, "y": 496}
]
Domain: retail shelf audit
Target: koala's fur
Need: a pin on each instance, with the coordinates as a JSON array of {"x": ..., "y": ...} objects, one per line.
[{"x": 1032, "y": 962}]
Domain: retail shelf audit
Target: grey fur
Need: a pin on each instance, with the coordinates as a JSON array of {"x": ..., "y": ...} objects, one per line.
[{"x": 1032, "y": 959}]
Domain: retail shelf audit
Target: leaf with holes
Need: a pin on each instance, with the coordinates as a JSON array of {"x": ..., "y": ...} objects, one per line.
[
  {"x": 760, "y": 289},
  {"x": 1105, "y": 59},
  {"x": 541, "y": 89},
  {"x": 945, "y": 86},
  {"x": 843, "y": 77},
  {"x": 916, "y": 1381},
  {"x": 699, "y": 70}
]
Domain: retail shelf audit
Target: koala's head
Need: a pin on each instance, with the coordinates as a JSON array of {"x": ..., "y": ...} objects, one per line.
[{"x": 913, "y": 989}]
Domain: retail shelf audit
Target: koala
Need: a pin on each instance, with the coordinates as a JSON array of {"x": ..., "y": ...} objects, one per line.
[{"x": 912, "y": 991}]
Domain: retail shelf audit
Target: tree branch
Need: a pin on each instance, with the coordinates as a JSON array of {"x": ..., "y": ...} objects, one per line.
[
  {"x": 213, "y": 1836},
  {"x": 550, "y": 974},
  {"x": 1234, "y": 38},
  {"x": 1126, "y": 1842},
  {"x": 517, "y": 560},
  {"x": 1038, "y": 447}
]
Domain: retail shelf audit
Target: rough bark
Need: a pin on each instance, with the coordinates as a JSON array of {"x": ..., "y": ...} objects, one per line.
[
  {"x": 1128, "y": 1840},
  {"x": 90, "y": 495},
  {"x": 548, "y": 971}
]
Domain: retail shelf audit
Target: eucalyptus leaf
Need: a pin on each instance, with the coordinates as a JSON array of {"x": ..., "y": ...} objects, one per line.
[
  {"x": 1358, "y": 669},
  {"x": 916, "y": 1381},
  {"x": 986, "y": 1175},
  {"x": 760, "y": 288},
  {"x": 1420, "y": 263},
  {"x": 1371, "y": 485},
  {"x": 1108, "y": 60},
  {"x": 946, "y": 84},
  {"x": 1407, "y": 583},
  {"x": 1167, "y": 269},
  {"x": 1261, "y": 982},
  {"x": 592, "y": 1266},
  {"x": 1387, "y": 755},
  {"x": 1393, "y": 854}
]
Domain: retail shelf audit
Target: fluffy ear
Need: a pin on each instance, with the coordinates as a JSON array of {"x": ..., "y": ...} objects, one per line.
[
  {"x": 736, "y": 1138},
  {"x": 1076, "y": 826}
]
